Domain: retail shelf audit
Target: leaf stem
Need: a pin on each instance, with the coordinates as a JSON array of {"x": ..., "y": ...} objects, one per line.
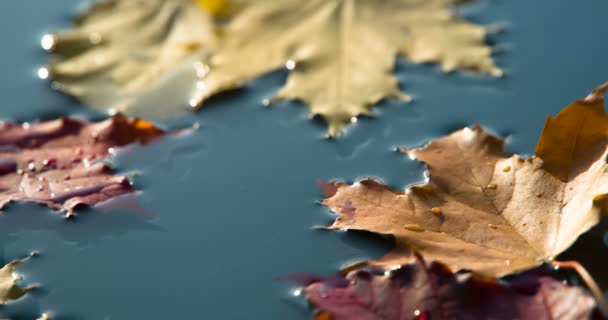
[{"x": 589, "y": 281}]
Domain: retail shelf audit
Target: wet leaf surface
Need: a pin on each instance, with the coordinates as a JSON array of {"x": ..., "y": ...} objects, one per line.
[
  {"x": 423, "y": 292},
  {"x": 134, "y": 57},
  {"x": 59, "y": 163},
  {"x": 487, "y": 211}
]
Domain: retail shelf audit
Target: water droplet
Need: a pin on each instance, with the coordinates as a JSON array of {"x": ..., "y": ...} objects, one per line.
[
  {"x": 290, "y": 64},
  {"x": 95, "y": 38},
  {"x": 421, "y": 315},
  {"x": 43, "y": 73},
  {"x": 26, "y": 125},
  {"x": 266, "y": 102},
  {"x": 44, "y": 316},
  {"x": 112, "y": 111},
  {"x": 492, "y": 226},
  {"x": 40, "y": 188},
  {"x": 20, "y": 171},
  {"x": 353, "y": 120},
  {"x": 201, "y": 69},
  {"x": 492, "y": 186},
  {"x": 506, "y": 169},
  {"x": 413, "y": 227},
  {"x": 508, "y": 262},
  {"x": 31, "y": 166},
  {"x": 436, "y": 211},
  {"x": 50, "y": 162},
  {"x": 193, "y": 103},
  {"x": 47, "y": 42},
  {"x": 394, "y": 220}
]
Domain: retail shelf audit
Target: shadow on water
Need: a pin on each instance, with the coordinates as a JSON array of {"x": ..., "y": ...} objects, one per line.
[
  {"x": 591, "y": 250},
  {"x": 89, "y": 226}
]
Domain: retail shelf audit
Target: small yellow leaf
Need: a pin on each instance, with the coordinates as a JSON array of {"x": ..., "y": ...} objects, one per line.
[
  {"x": 9, "y": 289},
  {"x": 215, "y": 7}
]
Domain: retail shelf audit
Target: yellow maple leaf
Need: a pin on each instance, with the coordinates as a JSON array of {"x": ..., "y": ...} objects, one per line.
[
  {"x": 9, "y": 289},
  {"x": 147, "y": 58},
  {"x": 134, "y": 57},
  {"x": 342, "y": 52}
]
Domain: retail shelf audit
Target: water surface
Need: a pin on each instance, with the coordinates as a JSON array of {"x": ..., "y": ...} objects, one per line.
[{"x": 234, "y": 204}]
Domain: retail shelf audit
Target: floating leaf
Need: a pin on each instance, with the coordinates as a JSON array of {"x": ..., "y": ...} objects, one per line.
[
  {"x": 9, "y": 289},
  {"x": 483, "y": 210},
  {"x": 432, "y": 292},
  {"x": 134, "y": 57},
  {"x": 342, "y": 52},
  {"x": 56, "y": 162}
]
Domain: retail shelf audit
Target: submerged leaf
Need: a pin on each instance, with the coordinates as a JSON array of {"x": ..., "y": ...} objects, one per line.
[
  {"x": 341, "y": 53},
  {"x": 134, "y": 57},
  {"x": 9, "y": 289},
  {"x": 56, "y": 162},
  {"x": 483, "y": 210},
  {"x": 433, "y": 292}
]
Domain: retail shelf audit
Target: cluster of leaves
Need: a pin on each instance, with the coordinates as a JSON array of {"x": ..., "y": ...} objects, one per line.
[
  {"x": 482, "y": 213},
  {"x": 124, "y": 54},
  {"x": 59, "y": 163},
  {"x": 424, "y": 291},
  {"x": 481, "y": 210}
]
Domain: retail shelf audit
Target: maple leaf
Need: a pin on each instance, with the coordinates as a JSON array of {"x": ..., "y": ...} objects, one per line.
[
  {"x": 483, "y": 210},
  {"x": 342, "y": 52},
  {"x": 134, "y": 57},
  {"x": 9, "y": 289},
  {"x": 55, "y": 162},
  {"x": 422, "y": 292}
]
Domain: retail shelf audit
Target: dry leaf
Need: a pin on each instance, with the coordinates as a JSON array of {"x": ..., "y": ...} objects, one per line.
[
  {"x": 57, "y": 162},
  {"x": 342, "y": 52},
  {"x": 134, "y": 57},
  {"x": 432, "y": 292},
  {"x": 9, "y": 289},
  {"x": 483, "y": 210}
]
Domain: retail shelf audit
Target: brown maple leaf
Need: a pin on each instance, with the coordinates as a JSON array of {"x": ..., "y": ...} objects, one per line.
[
  {"x": 56, "y": 162},
  {"x": 484, "y": 210},
  {"x": 432, "y": 292}
]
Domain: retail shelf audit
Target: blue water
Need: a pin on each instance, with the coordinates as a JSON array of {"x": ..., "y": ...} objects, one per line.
[{"x": 234, "y": 203}]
